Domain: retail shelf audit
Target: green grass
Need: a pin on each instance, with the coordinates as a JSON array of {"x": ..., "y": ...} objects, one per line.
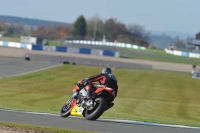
[
  {"x": 160, "y": 55},
  {"x": 16, "y": 39},
  {"x": 10, "y": 39},
  {"x": 39, "y": 129},
  {"x": 52, "y": 42},
  {"x": 153, "y": 96}
]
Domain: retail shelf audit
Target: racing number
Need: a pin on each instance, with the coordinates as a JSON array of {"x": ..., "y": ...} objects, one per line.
[{"x": 80, "y": 110}]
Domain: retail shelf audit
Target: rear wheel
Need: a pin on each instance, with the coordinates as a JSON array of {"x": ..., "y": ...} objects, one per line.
[
  {"x": 65, "y": 111},
  {"x": 97, "y": 111}
]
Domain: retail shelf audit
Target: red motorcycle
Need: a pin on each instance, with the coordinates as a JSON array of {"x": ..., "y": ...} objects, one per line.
[{"x": 90, "y": 101}]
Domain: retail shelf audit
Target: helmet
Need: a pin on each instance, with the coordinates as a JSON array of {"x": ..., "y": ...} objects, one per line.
[{"x": 106, "y": 70}]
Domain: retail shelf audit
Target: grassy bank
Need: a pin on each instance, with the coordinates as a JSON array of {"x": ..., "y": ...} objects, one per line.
[
  {"x": 16, "y": 39},
  {"x": 154, "y": 96},
  {"x": 159, "y": 55}
]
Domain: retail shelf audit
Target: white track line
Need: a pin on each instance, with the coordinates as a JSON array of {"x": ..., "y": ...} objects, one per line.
[
  {"x": 114, "y": 120},
  {"x": 31, "y": 71}
]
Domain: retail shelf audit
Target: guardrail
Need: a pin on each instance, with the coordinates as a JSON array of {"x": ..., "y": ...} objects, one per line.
[
  {"x": 86, "y": 50},
  {"x": 182, "y": 53},
  {"x": 16, "y": 45},
  {"x": 61, "y": 49},
  {"x": 116, "y": 44}
]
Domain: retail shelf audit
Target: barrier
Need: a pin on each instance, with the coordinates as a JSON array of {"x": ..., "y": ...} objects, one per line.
[
  {"x": 49, "y": 48},
  {"x": 88, "y": 50},
  {"x": 23, "y": 46},
  {"x": 61, "y": 49},
  {"x": 96, "y": 52},
  {"x": 182, "y": 53},
  {"x": 115, "y": 44},
  {"x": 84, "y": 51},
  {"x": 5, "y": 44},
  {"x": 16, "y": 45},
  {"x": 72, "y": 50},
  {"x": 37, "y": 47},
  {"x": 108, "y": 53}
]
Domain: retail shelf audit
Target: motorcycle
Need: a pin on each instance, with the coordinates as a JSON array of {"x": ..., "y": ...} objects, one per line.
[{"x": 89, "y": 102}]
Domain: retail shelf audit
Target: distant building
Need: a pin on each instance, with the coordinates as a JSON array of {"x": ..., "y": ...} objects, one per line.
[
  {"x": 31, "y": 40},
  {"x": 196, "y": 42},
  {"x": 198, "y": 36}
]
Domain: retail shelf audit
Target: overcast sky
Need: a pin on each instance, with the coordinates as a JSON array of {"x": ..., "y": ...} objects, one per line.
[{"x": 154, "y": 15}]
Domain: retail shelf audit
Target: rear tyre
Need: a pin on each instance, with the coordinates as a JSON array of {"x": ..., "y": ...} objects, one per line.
[
  {"x": 97, "y": 111},
  {"x": 65, "y": 111}
]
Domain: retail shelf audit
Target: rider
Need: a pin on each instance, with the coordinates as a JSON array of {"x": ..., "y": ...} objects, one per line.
[{"x": 106, "y": 79}]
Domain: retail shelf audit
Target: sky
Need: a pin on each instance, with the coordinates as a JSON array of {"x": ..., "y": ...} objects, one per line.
[{"x": 154, "y": 15}]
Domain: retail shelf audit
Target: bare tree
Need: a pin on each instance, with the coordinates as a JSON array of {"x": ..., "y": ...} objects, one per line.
[
  {"x": 95, "y": 28},
  {"x": 113, "y": 28},
  {"x": 179, "y": 43},
  {"x": 136, "y": 30}
]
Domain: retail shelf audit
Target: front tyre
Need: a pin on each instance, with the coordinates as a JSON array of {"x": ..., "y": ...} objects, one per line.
[
  {"x": 65, "y": 111},
  {"x": 97, "y": 111}
]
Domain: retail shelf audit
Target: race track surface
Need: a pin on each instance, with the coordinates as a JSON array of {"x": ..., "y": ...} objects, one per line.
[
  {"x": 16, "y": 66},
  {"x": 101, "y": 125},
  {"x": 94, "y": 60}
]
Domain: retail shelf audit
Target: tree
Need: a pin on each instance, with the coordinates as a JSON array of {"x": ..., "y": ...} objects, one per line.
[
  {"x": 41, "y": 31},
  {"x": 136, "y": 30},
  {"x": 2, "y": 24},
  {"x": 95, "y": 28},
  {"x": 80, "y": 27},
  {"x": 179, "y": 43},
  {"x": 61, "y": 31},
  {"x": 1, "y": 28},
  {"x": 113, "y": 28},
  {"x": 124, "y": 38}
]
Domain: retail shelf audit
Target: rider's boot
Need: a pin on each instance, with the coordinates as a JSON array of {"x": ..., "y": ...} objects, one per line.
[{"x": 110, "y": 105}]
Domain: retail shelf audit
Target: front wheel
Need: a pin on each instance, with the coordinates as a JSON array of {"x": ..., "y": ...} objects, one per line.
[
  {"x": 97, "y": 111},
  {"x": 65, "y": 111}
]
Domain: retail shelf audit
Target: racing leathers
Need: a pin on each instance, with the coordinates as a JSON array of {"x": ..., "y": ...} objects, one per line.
[{"x": 107, "y": 80}]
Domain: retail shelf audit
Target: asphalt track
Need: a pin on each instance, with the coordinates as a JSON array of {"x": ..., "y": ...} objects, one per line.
[
  {"x": 100, "y": 125},
  {"x": 16, "y": 66},
  {"x": 94, "y": 60}
]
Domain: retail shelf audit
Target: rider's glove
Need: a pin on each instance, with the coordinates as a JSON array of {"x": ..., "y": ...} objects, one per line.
[
  {"x": 79, "y": 83},
  {"x": 84, "y": 82}
]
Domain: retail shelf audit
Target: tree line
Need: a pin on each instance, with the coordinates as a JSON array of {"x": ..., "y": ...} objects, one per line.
[
  {"x": 92, "y": 29},
  {"x": 112, "y": 29}
]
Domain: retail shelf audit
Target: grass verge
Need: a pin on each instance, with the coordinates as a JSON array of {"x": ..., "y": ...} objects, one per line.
[
  {"x": 17, "y": 39},
  {"x": 159, "y": 55},
  {"x": 153, "y": 96}
]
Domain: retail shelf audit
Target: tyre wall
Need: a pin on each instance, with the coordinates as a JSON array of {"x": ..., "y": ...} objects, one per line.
[
  {"x": 100, "y": 43},
  {"x": 182, "y": 53},
  {"x": 80, "y": 50}
]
